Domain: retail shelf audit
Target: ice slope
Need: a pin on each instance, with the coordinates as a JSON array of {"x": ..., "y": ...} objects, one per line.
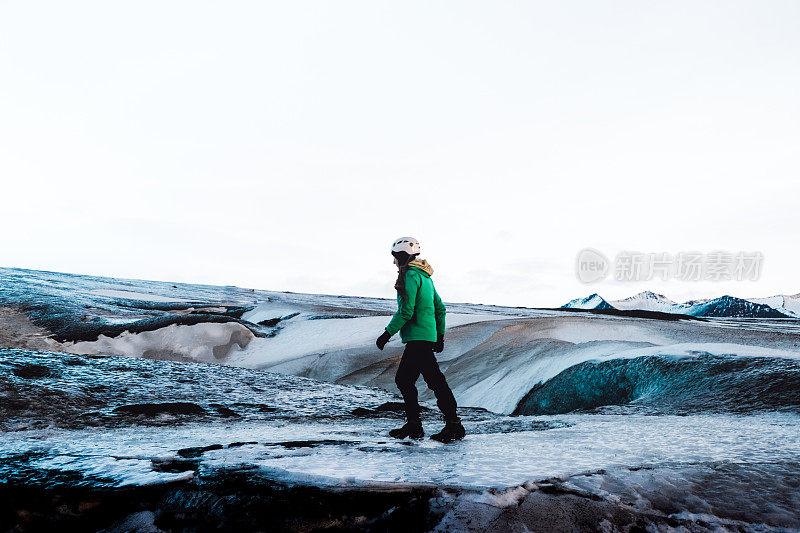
[
  {"x": 130, "y": 295},
  {"x": 493, "y": 356},
  {"x": 493, "y": 365}
]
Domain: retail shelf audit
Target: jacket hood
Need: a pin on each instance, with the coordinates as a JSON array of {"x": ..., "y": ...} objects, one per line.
[{"x": 421, "y": 264}]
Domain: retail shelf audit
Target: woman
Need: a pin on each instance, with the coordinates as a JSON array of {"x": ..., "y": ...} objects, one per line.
[{"x": 420, "y": 321}]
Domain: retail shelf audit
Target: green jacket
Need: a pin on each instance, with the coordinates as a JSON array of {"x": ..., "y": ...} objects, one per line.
[{"x": 420, "y": 315}]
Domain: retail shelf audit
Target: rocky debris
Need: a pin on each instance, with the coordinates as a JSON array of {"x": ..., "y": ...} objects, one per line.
[{"x": 19, "y": 331}]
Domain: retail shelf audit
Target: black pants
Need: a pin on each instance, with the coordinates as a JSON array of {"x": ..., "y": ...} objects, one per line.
[{"x": 418, "y": 358}]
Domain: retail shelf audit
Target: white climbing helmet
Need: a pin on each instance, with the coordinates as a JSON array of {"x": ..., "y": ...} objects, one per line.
[{"x": 409, "y": 245}]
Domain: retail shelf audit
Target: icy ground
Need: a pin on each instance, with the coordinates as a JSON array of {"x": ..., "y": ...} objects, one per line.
[
  {"x": 149, "y": 406},
  {"x": 357, "y": 452},
  {"x": 100, "y": 422}
]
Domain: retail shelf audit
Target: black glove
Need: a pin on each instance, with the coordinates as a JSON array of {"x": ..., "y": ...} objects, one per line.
[
  {"x": 439, "y": 346},
  {"x": 383, "y": 339}
]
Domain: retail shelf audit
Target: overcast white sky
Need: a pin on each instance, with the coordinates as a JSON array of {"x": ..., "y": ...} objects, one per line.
[{"x": 284, "y": 145}]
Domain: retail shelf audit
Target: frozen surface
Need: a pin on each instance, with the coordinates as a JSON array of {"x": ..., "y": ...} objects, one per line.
[
  {"x": 79, "y": 421},
  {"x": 683, "y": 424},
  {"x": 76, "y": 415},
  {"x": 358, "y": 451}
]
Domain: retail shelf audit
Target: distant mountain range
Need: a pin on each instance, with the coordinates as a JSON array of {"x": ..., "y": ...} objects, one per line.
[{"x": 780, "y": 306}]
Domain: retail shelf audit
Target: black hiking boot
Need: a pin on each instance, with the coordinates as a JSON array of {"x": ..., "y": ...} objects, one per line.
[
  {"x": 451, "y": 431},
  {"x": 410, "y": 429}
]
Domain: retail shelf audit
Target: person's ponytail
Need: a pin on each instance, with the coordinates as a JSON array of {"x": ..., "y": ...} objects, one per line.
[{"x": 403, "y": 258}]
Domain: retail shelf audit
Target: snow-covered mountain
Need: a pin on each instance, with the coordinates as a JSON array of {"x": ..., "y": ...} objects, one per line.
[
  {"x": 780, "y": 306},
  {"x": 735, "y": 307},
  {"x": 649, "y": 301},
  {"x": 593, "y": 301},
  {"x": 786, "y": 304}
]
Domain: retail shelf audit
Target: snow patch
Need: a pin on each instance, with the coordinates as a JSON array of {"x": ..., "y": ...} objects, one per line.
[
  {"x": 205, "y": 342},
  {"x": 299, "y": 337}
]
